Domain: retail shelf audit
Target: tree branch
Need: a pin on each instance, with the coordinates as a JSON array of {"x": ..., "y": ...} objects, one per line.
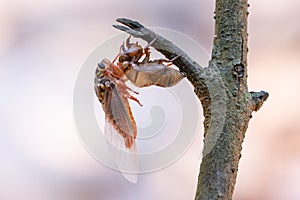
[
  {"x": 219, "y": 165},
  {"x": 223, "y": 92}
]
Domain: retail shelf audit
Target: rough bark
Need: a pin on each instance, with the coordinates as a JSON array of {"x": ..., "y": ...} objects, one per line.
[{"x": 222, "y": 89}]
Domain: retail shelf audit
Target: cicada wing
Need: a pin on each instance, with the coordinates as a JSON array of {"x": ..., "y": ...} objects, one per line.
[
  {"x": 153, "y": 74},
  {"x": 120, "y": 131},
  {"x": 125, "y": 158},
  {"x": 118, "y": 112}
]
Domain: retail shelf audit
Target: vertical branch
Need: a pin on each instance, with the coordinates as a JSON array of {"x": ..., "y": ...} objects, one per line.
[{"x": 223, "y": 140}]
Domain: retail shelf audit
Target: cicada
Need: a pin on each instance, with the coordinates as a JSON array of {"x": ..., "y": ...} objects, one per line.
[{"x": 131, "y": 63}]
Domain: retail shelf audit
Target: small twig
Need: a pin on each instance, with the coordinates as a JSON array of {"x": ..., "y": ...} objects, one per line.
[{"x": 258, "y": 99}]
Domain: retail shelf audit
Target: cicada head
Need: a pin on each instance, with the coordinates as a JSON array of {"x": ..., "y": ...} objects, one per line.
[
  {"x": 102, "y": 66},
  {"x": 101, "y": 81}
]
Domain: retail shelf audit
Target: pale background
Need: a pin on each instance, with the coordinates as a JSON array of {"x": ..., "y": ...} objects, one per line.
[{"x": 42, "y": 47}]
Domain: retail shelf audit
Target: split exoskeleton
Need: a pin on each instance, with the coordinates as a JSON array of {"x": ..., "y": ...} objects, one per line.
[{"x": 132, "y": 63}]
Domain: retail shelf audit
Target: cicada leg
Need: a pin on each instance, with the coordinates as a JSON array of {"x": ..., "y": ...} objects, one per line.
[
  {"x": 126, "y": 94},
  {"x": 134, "y": 99},
  {"x": 161, "y": 61},
  {"x": 135, "y": 92},
  {"x": 147, "y": 55},
  {"x": 150, "y": 43},
  {"x": 147, "y": 50},
  {"x": 128, "y": 41},
  {"x": 114, "y": 60},
  {"x": 122, "y": 48},
  {"x": 124, "y": 79}
]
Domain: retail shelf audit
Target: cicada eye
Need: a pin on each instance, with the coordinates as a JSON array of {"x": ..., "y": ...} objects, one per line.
[{"x": 101, "y": 65}]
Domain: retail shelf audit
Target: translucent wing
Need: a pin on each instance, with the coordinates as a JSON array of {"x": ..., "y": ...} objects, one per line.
[
  {"x": 125, "y": 158},
  {"x": 120, "y": 130},
  {"x": 118, "y": 112}
]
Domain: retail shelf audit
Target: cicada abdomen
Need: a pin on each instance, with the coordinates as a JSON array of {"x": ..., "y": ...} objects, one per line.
[{"x": 152, "y": 73}]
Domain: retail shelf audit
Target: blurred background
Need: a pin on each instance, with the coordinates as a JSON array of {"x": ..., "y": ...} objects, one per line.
[{"x": 42, "y": 47}]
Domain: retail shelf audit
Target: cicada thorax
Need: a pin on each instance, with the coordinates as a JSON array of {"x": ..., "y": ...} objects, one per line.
[{"x": 106, "y": 74}]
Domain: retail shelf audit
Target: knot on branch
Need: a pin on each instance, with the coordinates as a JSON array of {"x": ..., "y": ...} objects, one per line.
[
  {"x": 239, "y": 70},
  {"x": 258, "y": 99}
]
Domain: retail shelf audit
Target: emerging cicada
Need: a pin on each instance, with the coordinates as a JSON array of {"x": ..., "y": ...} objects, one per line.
[{"x": 111, "y": 90}]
